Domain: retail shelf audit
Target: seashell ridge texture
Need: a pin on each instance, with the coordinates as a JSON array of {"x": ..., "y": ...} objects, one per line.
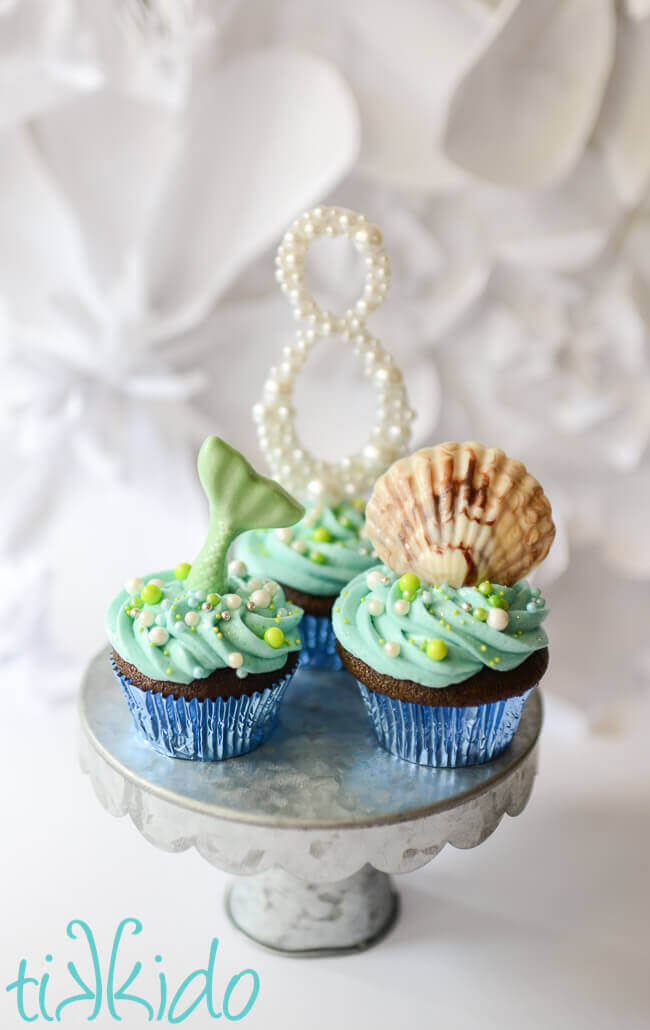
[{"x": 460, "y": 513}]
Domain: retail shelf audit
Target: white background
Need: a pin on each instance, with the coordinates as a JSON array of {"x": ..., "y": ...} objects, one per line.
[{"x": 150, "y": 158}]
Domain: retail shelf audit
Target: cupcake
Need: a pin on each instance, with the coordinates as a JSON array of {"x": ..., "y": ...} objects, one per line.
[
  {"x": 445, "y": 638},
  {"x": 204, "y": 652},
  {"x": 313, "y": 560}
]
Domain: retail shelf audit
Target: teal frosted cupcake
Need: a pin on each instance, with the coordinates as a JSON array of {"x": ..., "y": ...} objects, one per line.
[
  {"x": 445, "y": 638},
  {"x": 204, "y": 653},
  {"x": 312, "y": 561}
]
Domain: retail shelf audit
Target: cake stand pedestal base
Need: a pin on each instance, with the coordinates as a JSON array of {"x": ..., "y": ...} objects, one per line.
[{"x": 294, "y": 917}]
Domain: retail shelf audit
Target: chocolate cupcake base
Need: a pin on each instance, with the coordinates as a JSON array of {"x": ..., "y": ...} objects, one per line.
[
  {"x": 470, "y": 722},
  {"x": 216, "y": 726}
]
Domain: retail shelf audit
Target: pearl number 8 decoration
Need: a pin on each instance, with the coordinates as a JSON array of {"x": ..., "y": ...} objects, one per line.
[{"x": 291, "y": 463}]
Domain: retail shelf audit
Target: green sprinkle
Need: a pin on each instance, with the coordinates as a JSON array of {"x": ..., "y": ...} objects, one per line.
[
  {"x": 485, "y": 588},
  {"x": 437, "y": 650},
  {"x": 182, "y": 571},
  {"x": 274, "y": 636},
  {"x": 317, "y": 556},
  {"x": 480, "y": 614},
  {"x": 151, "y": 594},
  {"x": 169, "y": 671},
  {"x": 497, "y": 602},
  {"x": 213, "y": 599},
  {"x": 409, "y": 583},
  {"x": 483, "y": 647},
  {"x": 321, "y": 535}
]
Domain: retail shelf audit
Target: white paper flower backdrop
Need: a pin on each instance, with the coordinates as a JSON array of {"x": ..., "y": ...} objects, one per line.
[{"x": 150, "y": 155}]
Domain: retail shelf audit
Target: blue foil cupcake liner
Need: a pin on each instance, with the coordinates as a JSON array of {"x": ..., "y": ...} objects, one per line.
[
  {"x": 206, "y": 731},
  {"x": 318, "y": 649},
  {"x": 443, "y": 736}
]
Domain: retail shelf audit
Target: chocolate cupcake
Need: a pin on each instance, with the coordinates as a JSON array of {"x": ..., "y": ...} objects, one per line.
[
  {"x": 205, "y": 652},
  {"x": 313, "y": 560},
  {"x": 445, "y": 638}
]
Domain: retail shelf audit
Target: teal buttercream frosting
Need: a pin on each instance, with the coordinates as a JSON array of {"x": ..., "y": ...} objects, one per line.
[
  {"x": 318, "y": 555},
  {"x": 202, "y": 632},
  {"x": 437, "y": 614}
]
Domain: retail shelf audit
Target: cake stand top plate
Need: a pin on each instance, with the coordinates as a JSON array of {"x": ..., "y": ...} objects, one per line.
[{"x": 322, "y": 768}]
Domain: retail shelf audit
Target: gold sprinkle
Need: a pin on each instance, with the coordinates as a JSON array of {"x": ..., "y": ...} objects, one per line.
[
  {"x": 215, "y": 629},
  {"x": 297, "y": 642},
  {"x": 462, "y": 622},
  {"x": 381, "y": 640},
  {"x": 455, "y": 611},
  {"x": 337, "y": 609},
  {"x": 141, "y": 629},
  {"x": 220, "y": 636},
  {"x": 447, "y": 626},
  {"x": 497, "y": 659},
  {"x": 490, "y": 662},
  {"x": 345, "y": 593},
  {"x": 165, "y": 652},
  {"x": 442, "y": 622},
  {"x": 173, "y": 607},
  {"x": 169, "y": 671},
  {"x": 483, "y": 647},
  {"x": 362, "y": 600},
  {"x": 346, "y": 621}
]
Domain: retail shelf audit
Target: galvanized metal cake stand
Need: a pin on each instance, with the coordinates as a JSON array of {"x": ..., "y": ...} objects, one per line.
[{"x": 312, "y": 822}]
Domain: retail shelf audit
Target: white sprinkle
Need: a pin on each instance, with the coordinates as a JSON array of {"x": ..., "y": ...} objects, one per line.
[
  {"x": 299, "y": 546},
  {"x": 157, "y": 583},
  {"x": 376, "y": 607},
  {"x": 235, "y": 659},
  {"x": 401, "y": 607},
  {"x": 498, "y": 618},
  {"x": 158, "y": 635},
  {"x": 192, "y": 619},
  {"x": 146, "y": 617},
  {"x": 261, "y": 598},
  {"x": 284, "y": 535},
  {"x": 254, "y": 584},
  {"x": 237, "y": 568},
  {"x": 373, "y": 578},
  {"x": 233, "y": 601},
  {"x": 241, "y": 674},
  {"x": 427, "y": 597},
  {"x": 392, "y": 648},
  {"x": 134, "y": 585},
  {"x": 271, "y": 586}
]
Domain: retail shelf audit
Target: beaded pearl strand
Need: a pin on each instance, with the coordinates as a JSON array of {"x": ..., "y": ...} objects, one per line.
[{"x": 290, "y": 461}]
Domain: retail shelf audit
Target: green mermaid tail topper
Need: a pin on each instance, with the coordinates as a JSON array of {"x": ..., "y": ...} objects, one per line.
[{"x": 239, "y": 499}]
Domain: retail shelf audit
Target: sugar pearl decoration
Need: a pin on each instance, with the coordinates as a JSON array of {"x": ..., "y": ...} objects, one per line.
[
  {"x": 233, "y": 601},
  {"x": 373, "y": 578},
  {"x": 158, "y": 635},
  {"x": 299, "y": 546},
  {"x": 134, "y": 585},
  {"x": 192, "y": 619},
  {"x": 289, "y": 459},
  {"x": 401, "y": 607},
  {"x": 284, "y": 535},
  {"x": 392, "y": 648},
  {"x": 498, "y": 618},
  {"x": 466, "y": 606},
  {"x": 146, "y": 618},
  {"x": 237, "y": 568},
  {"x": 426, "y": 596},
  {"x": 235, "y": 660},
  {"x": 157, "y": 583},
  {"x": 271, "y": 586},
  {"x": 254, "y": 584},
  {"x": 261, "y": 598},
  {"x": 376, "y": 607}
]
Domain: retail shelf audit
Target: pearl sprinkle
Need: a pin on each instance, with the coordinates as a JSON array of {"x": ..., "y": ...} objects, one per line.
[
  {"x": 288, "y": 458},
  {"x": 237, "y": 568}
]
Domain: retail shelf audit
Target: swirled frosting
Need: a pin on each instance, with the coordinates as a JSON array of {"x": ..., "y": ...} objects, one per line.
[
  {"x": 198, "y": 636},
  {"x": 319, "y": 555},
  {"x": 399, "y": 641}
]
